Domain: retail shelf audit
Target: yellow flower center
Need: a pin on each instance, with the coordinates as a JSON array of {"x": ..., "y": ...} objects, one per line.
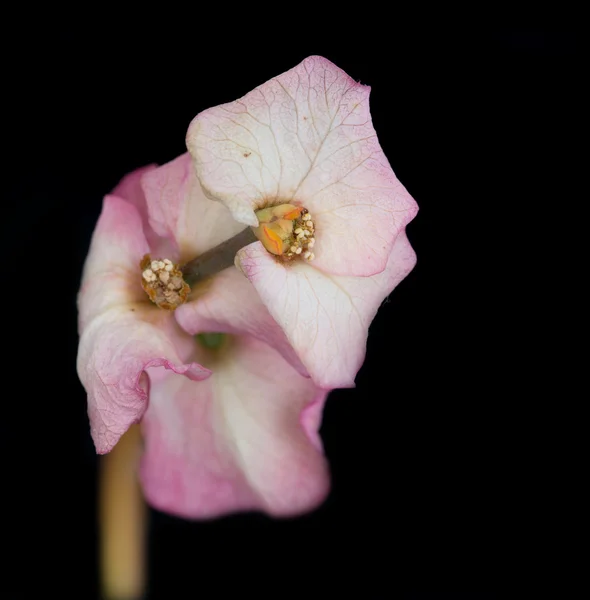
[{"x": 286, "y": 230}]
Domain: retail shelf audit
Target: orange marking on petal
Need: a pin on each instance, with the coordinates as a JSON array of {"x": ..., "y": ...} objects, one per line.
[
  {"x": 292, "y": 214},
  {"x": 272, "y": 240}
]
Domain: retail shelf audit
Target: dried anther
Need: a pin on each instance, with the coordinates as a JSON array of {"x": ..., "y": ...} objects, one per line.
[{"x": 163, "y": 283}]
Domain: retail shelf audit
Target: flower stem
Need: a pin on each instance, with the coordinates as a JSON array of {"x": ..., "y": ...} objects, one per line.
[
  {"x": 217, "y": 259},
  {"x": 122, "y": 521}
]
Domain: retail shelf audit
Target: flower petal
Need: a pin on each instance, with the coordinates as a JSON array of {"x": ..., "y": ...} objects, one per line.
[
  {"x": 235, "y": 441},
  {"x": 114, "y": 351},
  {"x": 325, "y": 318},
  {"x": 130, "y": 189},
  {"x": 111, "y": 273},
  {"x": 178, "y": 210},
  {"x": 306, "y": 137},
  {"x": 230, "y": 304},
  {"x": 121, "y": 334}
]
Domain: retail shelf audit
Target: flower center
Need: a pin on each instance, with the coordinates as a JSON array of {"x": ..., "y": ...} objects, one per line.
[
  {"x": 211, "y": 341},
  {"x": 286, "y": 231},
  {"x": 214, "y": 349},
  {"x": 163, "y": 282}
]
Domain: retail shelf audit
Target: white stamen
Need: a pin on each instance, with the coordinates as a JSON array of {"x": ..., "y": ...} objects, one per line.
[
  {"x": 293, "y": 248},
  {"x": 298, "y": 251},
  {"x": 164, "y": 276},
  {"x": 307, "y": 255},
  {"x": 306, "y": 217},
  {"x": 155, "y": 265},
  {"x": 311, "y": 256},
  {"x": 298, "y": 231},
  {"x": 310, "y": 242},
  {"x": 148, "y": 275}
]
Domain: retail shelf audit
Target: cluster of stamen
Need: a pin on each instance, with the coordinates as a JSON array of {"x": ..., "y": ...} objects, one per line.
[
  {"x": 303, "y": 239},
  {"x": 163, "y": 282},
  {"x": 287, "y": 231}
]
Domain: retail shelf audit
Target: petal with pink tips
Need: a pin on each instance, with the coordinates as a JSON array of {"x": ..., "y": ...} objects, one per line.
[
  {"x": 111, "y": 274},
  {"x": 307, "y": 137},
  {"x": 121, "y": 333},
  {"x": 130, "y": 189},
  {"x": 115, "y": 350},
  {"x": 178, "y": 210},
  {"x": 235, "y": 441},
  {"x": 325, "y": 318}
]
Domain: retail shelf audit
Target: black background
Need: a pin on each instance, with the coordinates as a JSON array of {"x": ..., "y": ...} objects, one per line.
[{"x": 434, "y": 476}]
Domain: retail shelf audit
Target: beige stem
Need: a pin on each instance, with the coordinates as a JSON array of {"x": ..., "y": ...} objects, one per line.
[{"x": 123, "y": 521}]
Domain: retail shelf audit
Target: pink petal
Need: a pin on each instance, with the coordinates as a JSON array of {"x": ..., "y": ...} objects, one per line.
[
  {"x": 111, "y": 273},
  {"x": 325, "y": 318},
  {"x": 307, "y": 137},
  {"x": 114, "y": 351},
  {"x": 234, "y": 442},
  {"x": 121, "y": 334},
  {"x": 230, "y": 304},
  {"x": 129, "y": 188},
  {"x": 178, "y": 210}
]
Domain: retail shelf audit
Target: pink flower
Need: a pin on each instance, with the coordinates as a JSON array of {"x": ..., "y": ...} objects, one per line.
[
  {"x": 235, "y": 427},
  {"x": 305, "y": 139},
  {"x": 227, "y": 429}
]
